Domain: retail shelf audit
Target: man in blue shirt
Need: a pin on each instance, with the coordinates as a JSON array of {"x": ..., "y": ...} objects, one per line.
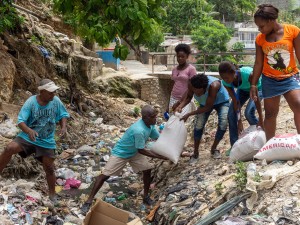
[
  {"x": 131, "y": 149},
  {"x": 37, "y": 119}
]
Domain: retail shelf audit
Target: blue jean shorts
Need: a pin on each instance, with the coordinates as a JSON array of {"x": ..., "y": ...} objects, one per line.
[{"x": 272, "y": 88}]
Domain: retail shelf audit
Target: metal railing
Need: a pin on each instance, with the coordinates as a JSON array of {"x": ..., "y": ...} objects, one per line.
[{"x": 198, "y": 55}]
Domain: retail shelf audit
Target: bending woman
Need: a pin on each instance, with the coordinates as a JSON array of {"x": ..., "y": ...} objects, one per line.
[{"x": 240, "y": 79}]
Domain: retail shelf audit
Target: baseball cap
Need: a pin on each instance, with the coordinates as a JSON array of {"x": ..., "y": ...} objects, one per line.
[{"x": 48, "y": 85}]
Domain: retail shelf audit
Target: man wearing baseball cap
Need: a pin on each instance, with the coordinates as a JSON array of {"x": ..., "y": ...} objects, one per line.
[{"x": 37, "y": 120}]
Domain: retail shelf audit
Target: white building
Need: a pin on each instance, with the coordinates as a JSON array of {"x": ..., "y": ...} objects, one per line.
[{"x": 245, "y": 33}]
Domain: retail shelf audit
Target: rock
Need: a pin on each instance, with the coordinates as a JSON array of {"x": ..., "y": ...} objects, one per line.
[
  {"x": 98, "y": 121},
  {"x": 2, "y": 46},
  {"x": 290, "y": 163},
  {"x": 129, "y": 100},
  {"x": 7, "y": 73},
  {"x": 86, "y": 149},
  {"x": 210, "y": 190},
  {"x": 223, "y": 170},
  {"x": 135, "y": 186},
  {"x": 294, "y": 190},
  {"x": 92, "y": 114}
]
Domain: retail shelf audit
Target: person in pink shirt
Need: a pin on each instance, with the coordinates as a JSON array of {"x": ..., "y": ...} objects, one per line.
[{"x": 181, "y": 75}]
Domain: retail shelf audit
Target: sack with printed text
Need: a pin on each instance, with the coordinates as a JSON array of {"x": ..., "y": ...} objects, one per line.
[
  {"x": 280, "y": 147},
  {"x": 250, "y": 141}
]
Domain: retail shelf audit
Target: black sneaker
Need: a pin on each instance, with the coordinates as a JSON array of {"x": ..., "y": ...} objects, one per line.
[
  {"x": 85, "y": 208},
  {"x": 148, "y": 201}
]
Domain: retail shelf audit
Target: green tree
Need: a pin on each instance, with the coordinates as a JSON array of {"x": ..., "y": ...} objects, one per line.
[
  {"x": 157, "y": 38},
  {"x": 9, "y": 17},
  {"x": 234, "y": 10},
  {"x": 100, "y": 21},
  {"x": 290, "y": 16},
  {"x": 238, "y": 47},
  {"x": 211, "y": 37},
  {"x": 183, "y": 16}
]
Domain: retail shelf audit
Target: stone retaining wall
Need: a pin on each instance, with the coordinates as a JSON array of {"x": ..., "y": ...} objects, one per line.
[{"x": 155, "y": 91}]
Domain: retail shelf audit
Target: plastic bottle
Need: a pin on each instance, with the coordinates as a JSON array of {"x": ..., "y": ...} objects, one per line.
[
  {"x": 166, "y": 115},
  {"x": 75, "y": 161},
  {"x": 88, "y": 179},
  {"x": 251, "y": 170},
  {"x": 122, "y": 197},
  {"x": 29, "y": 219},
  {"x": 110, "y": 200},
  {"x": 100, "y": 145},
  {"x": 161, "y": 126}
]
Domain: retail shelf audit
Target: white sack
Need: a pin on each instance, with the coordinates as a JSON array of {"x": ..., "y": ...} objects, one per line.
[
  {"x": 280, "y": 147},
  {"x": 172, "y": 139},
  {"x": 251, "y": 140}
]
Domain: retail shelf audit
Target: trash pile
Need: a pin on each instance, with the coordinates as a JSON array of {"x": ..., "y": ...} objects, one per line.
[
  {"x": 189, "y": 192},
  {"x": 24, "y": 198}
]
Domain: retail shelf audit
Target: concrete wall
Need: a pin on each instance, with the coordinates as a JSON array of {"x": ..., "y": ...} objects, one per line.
[
  {"x": 85, "y": 68},
  {"x": 156, "y": 91}
]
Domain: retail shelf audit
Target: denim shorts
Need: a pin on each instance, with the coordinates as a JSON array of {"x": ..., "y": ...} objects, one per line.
[{"x": 272, "y": 87}]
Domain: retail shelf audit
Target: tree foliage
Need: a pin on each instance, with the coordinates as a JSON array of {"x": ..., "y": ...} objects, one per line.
[
  {"x": 184, "y": 16},
  {"x": 9, "y": 17},
  {"x": 234, "y": 10},
  {"x": 211, "y": 37},
  {"x": 157, "y": 38},
  {"x": 99, "y": 20},
  {"x": 290, "y": 16}
]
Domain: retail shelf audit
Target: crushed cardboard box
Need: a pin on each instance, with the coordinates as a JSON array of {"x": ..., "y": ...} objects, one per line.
[{"x": 103, "y": 213}]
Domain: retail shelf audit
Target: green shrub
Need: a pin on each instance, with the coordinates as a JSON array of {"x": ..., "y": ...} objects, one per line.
[{"x": 9, "y": 17}]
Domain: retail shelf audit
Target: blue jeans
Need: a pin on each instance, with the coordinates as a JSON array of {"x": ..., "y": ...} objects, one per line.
[
  {"x": 249, "y": 114},
  {"x": 201, "y": 119}
]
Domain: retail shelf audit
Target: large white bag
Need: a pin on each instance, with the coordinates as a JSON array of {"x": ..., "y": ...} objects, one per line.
[
  {"x": 172, "y": 139},
  {"x": 281, "y": 147},
  {"x": 251, "y": 140}
]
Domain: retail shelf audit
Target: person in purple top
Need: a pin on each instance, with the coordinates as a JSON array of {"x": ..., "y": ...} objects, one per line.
[{"x": 181, "y": 75}]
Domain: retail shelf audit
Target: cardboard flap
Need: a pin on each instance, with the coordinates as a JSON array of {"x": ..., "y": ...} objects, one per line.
[
  {"x": 98, "y": 218},
  {"x": 136, "y": 221},
  {"x": 103, "y": 213}
]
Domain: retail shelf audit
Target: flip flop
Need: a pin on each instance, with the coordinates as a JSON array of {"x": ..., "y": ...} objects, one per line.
[{"x": 216, "y": 154}]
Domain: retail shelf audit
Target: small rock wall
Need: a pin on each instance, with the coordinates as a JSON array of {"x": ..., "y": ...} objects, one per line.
[{"x": 156, "y": 91}]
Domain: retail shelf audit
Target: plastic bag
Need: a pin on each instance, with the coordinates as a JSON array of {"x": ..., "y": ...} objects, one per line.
[
  {"x": 251, "y": 140},
  {"x": 65, "y": 173},
  {"x": 280, "y": 147},
  {"x": 8, "y": 129},
  {"x": 172, "y": 139},
  {"x": 72, "y": 183}
]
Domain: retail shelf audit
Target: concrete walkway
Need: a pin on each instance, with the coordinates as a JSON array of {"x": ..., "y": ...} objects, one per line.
[{"x": 136, "y": 70}]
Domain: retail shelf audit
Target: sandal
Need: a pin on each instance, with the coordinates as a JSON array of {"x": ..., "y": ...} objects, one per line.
[{"x": 216, "y": 154}]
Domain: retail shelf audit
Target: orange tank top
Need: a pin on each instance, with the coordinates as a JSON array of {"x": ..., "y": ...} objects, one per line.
[{"x": 279, "y": 57}]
